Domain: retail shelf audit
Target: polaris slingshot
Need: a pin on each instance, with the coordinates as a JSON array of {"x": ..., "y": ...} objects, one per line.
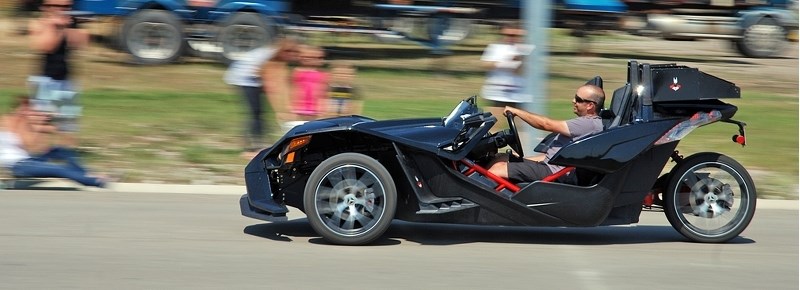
[{"x": 353, "y": 175}]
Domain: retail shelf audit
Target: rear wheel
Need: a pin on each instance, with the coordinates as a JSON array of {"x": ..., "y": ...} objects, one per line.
[
  {"x": 153, "y": 36},
  {"x": 244, "y": 32},
  {"x": 350, "y": 199},
  {"x": 710, "y": 198}
]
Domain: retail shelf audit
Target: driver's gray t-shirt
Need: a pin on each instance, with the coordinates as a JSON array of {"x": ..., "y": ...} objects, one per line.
[{"x": 578, "y": 127}]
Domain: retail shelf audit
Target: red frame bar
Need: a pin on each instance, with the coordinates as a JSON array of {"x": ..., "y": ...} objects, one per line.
[
  {"x": 558, "y": 174},
  {"x": 502, "y": 183}
]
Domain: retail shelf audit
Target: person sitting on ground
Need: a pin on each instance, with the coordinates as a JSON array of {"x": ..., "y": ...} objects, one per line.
[
  {"x": 587, "y": 103},
  {"x": 24, "y": 131}
]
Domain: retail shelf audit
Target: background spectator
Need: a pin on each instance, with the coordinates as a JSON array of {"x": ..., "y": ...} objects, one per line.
[
  {"x": 344, "y": 96},
  {"x": 275, "y": 77},
  {"x": 54, "y": 35},
  {"x": 245, "y": 75},
  {"x": 504, "y": 81},
  {"x": 309, "y": 84}
]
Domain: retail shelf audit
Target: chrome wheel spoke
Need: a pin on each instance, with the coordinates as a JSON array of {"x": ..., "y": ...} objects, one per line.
[
  {"x": 366, "y": 180},
  {"x": 349, "y": 176},
  {"x": 335, "y": 178},
  {"x": 349, "y": 222},
  {"x": 717, "y": 210},
  {"x": 701, "y": 210},
  {"x": 363, "y": 219}
]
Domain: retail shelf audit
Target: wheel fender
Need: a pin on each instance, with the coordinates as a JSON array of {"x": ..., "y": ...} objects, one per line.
[
  {"x": 271, "y": 10},
  {"x": 748, "y": 18},
  {"x": 128, "y": 7}
]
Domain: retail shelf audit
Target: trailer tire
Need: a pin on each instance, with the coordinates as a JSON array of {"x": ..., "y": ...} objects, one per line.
[
  {"x": 153, "y": 36},
  {"x": 243, "y": 32},
  {"x": 455, "y": 30},
  {"x": 761, "y": 39}
]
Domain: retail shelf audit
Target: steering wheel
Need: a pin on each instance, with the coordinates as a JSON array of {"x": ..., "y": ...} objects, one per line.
[{"x": 515, "y": 144}]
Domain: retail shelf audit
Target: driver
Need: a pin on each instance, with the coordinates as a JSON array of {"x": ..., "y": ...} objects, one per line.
[{"x": 587, "y": 103}]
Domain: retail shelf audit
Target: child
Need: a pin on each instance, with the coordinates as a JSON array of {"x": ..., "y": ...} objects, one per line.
[
  {"x": 344, "y": 96},
  {"x": 309, "y": 84}
]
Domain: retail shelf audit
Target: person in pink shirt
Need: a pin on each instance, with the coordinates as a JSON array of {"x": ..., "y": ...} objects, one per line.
[{"x": 309, "y": 84}]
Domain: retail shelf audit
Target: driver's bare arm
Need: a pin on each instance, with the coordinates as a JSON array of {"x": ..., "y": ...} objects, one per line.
[{"x": 541, "y": 122}]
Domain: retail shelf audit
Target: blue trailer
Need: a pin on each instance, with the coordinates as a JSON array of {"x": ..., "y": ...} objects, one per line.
[
  {"x": 755, "y": 28},
  {"x": 161, "y": 31}
]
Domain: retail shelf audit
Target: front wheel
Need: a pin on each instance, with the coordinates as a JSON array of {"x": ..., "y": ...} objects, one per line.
[
  {"x": 710, "y": 198},
  {"x": 350, "y": 199}
]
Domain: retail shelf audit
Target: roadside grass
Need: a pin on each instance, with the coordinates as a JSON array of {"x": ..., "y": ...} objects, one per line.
[{"x": 180, "y": 123}]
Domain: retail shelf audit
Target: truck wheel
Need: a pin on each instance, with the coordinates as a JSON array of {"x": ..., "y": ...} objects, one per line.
[
  {"x": 438, "y": 29},
  {"x": 710, "y": 198},
  {"x": 763, "y": 38},
  {"x": 153, "y": 36},
  {"x": 402, "y": 25},
  {"x": 449, "y": 30},
  {"x": 350, "y": 199},
  {"x": 243, "y": 32}
]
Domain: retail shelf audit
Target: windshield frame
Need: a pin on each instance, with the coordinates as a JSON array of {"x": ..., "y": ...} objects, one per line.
[{"x": 464, "y": 109}]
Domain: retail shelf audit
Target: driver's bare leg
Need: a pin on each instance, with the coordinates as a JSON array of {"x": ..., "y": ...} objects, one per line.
[{"x": 500, "y": 167}]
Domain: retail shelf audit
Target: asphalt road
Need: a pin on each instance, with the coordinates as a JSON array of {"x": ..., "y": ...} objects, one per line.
[{"x": 111, "y": 240}]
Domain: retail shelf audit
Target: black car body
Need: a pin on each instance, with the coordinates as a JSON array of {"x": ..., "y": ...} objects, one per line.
[{"x": 353, "y": 175}]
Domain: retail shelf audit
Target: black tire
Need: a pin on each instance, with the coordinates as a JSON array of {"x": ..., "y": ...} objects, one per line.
[
  {"x": 347, "y": 183},
  {"x": 710, "y": 198},
  {"x": 153, "y": 37},
  {"x": 762, "y": 39},
  {"x": 243, "y": 32}
]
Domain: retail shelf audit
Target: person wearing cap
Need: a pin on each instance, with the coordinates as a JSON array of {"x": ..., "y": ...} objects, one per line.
[{"x": 586, "y": 105}]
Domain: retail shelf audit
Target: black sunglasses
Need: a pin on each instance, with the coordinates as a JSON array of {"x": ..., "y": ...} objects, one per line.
[{"x": 582, "y": 100}]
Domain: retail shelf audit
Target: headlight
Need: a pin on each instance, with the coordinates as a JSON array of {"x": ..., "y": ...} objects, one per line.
[{"x": 294, "y": 145}]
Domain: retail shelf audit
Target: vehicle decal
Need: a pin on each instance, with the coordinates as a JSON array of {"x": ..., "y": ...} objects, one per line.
[{"x": 675, "y": 86}]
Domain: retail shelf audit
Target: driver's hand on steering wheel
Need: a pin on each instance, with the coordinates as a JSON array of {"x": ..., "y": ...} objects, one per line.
[{"x": 510, "y": 110}]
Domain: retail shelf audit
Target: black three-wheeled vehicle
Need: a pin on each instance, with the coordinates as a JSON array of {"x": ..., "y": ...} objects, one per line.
[{"x": 353, "y": 175}]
